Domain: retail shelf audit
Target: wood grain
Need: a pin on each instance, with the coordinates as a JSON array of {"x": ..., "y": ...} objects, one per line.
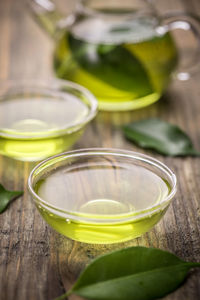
[{"x": 35, "y": 261}]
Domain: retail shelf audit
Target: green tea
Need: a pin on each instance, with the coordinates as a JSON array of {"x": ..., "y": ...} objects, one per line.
[
  {"x": 31, "y": 128},
  {"x": 37, "y": 149},
  {"x": 126, "y": 64},
  {"x": 100, "y": 202}
]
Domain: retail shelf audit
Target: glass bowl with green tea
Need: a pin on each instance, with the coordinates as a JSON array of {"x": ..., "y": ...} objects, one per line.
[
  {"x": 123, "y": 51},
  {"x": 38, "y": 120},
  {"x": 102, "y": 196}
]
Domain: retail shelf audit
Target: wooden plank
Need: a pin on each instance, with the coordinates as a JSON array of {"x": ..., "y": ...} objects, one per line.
[{"x": 35, "y": 261}]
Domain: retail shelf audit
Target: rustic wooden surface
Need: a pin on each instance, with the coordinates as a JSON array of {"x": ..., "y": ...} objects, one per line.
[{"x": 35, "y": 261}]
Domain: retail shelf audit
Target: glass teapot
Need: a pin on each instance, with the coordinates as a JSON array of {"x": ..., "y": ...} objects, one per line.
[{"x": 122, "y": 51}]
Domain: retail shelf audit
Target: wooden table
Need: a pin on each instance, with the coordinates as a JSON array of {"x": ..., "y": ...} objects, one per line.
[{"x": 36, "y": 263}]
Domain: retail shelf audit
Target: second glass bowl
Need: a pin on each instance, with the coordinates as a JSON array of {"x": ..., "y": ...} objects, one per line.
[
  {"x": 38, "y": 120},
  {"x": 102, "y": 195}
]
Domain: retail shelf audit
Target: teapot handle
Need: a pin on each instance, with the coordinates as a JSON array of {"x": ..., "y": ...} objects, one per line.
[
  {"x": 50, "y": 18},
  {"x": 185, "y": 22}
]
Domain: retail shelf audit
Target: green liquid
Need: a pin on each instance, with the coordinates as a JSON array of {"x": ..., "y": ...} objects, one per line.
[
  {"x": 37, "y": 149},
  {"x": 114, "y": 195},
  {"x": 125, "y": 67},
  {"x": 27, "y": 126}
]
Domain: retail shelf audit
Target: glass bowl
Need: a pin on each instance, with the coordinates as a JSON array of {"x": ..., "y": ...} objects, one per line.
[
  {"x": 38, "y": 120},
  {"x": 102, "y": 196}
]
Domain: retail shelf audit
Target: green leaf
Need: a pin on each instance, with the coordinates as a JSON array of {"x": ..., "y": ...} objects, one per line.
[
  {"x": 161, "y": 136},
  {"x": 135, "y": 273},
  {"x": 6, "y": 197},
  {"x": 112, "y": 64}
]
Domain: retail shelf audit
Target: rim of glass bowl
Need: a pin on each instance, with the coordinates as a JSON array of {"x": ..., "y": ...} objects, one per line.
[
  {"x": 49, "y": 86},
  {"x": 102, "y": 219}
]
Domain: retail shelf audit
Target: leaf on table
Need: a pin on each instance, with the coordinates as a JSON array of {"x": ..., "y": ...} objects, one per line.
[
  {"x": 161, "y": 136},
  {"x": 136, "y": 273},
  {"x": 6, "y": 197}
]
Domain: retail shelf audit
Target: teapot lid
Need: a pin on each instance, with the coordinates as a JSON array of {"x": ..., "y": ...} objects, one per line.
[
  {"x": 107, "y": 8},
  {"x": 114, "y": 22}
]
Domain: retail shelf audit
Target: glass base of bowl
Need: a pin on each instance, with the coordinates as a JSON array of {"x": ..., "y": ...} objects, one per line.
[
  {"x": 92, "y": 233},
  {"x": 127, "y": 104},
  {"x": 37, "y": 149}
]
